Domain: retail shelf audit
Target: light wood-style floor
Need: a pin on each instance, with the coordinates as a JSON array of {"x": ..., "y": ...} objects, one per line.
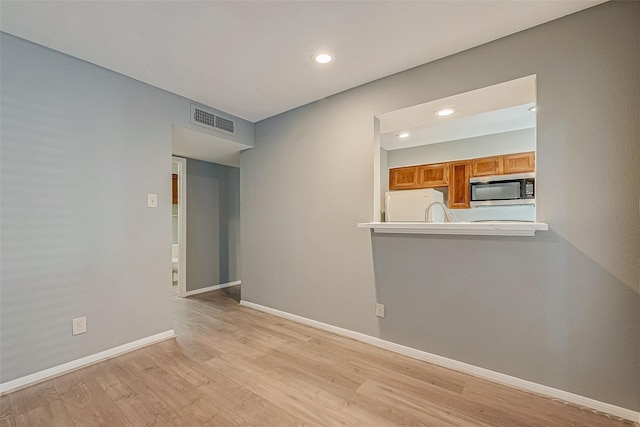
[{"x": 231, "y": 365}]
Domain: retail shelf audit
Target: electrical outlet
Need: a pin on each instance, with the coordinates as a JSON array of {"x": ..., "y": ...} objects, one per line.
[
  {"x": 379, "y": 310},
  {"x": 79, "y": 325}
]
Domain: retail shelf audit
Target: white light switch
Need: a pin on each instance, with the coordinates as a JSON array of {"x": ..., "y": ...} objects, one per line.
[{"x": 152, "y": 200}]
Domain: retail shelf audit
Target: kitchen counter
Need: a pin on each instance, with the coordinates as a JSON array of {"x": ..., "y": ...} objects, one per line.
[{"x": 485, "y": 228}]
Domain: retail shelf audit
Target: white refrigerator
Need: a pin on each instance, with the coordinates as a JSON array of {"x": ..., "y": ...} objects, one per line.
[{"x": 411, "y": 205}]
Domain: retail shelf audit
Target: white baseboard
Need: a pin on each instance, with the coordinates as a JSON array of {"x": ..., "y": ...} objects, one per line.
[
  {"x": 47, "y": 374},
  {"x": 211, "y": 288},
  {"x": 476, "y": 371}
]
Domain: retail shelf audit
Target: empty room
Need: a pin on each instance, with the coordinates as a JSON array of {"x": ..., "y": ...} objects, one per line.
[{"x": 320, "y": 213}]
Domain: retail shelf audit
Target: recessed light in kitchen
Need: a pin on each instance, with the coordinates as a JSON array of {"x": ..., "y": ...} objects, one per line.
[
  {"x": 322, "y": 57},
  {"x": 403, "y": 135},
  {"x": 447, "y": 111}
]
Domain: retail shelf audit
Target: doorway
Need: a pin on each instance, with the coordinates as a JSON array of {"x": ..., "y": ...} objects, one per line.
[{"x": 179, "y": 226}]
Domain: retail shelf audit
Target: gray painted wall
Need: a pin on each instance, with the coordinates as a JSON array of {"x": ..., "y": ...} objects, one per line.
[
  {"x": 213, "y": 219},
  {"x": 81, "y": 148},
  {"x": 560, "y": 309}
]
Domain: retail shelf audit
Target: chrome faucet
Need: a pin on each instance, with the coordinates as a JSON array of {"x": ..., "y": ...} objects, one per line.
[{"x": 448, "y": 215}]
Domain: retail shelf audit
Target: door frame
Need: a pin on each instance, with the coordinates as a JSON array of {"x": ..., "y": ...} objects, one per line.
[{"x": 182, "y": 225}]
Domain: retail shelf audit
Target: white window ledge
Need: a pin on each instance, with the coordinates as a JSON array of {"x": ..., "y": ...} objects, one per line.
[{"x": 492, "y": 228}]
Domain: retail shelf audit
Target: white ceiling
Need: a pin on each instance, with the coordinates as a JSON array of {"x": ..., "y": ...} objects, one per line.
[
  {"x": 503, "y": 107},
  {"x": 253, "y": 59}
]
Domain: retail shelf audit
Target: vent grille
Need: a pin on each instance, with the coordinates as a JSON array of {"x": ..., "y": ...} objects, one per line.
[
  {"x": 209, "y": 120},
  {"x": 224, "y": 124},
  {"x": 204, "y": 118}
]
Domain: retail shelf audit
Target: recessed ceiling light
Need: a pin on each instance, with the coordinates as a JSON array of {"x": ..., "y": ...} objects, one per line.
[
  {"x": 447, "y": 111},
  {"x": 532, "y": 109},
  {"x": 322, "y": 57},
  {"x": 403, "y": 135}
]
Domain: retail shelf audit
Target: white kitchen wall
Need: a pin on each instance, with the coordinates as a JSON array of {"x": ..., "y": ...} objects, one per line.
[{"x": 519, "y": 141}]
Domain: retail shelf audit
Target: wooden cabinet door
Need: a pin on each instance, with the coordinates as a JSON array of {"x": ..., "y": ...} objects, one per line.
[
  {"x": 435, "y": 175},
  {"x": 459, "y": 184},
  {"x": 520, "y": 162},
  {"x": 403, "y": 178},
  {"x": 174, "y": 188},
  {"x": 487, "y": 166}
]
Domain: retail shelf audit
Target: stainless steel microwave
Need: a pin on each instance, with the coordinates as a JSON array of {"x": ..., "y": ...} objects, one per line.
[{"x": 502, "y": 190}]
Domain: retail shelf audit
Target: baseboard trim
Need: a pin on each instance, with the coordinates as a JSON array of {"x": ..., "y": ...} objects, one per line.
[
  {"x": 212, "y": 288},
  {"x": 466, "y": 368},
  {"x": 56, "y": 371}
]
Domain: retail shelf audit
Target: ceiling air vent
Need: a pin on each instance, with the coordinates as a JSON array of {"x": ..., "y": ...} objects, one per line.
[{"x": 210, "y": 120}]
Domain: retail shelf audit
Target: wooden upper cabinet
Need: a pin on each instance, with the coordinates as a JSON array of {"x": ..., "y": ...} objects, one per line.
[
  {"x": 459, "y": 184},
  {"x": 520, "y": 162},
  {"x": 435, "y": 175},
  {"x": 174, "y": 188},
  {"x": 403, "y": 178},
  {"x": 484, "y": 166},
  {"x": 456, "y": 174}
]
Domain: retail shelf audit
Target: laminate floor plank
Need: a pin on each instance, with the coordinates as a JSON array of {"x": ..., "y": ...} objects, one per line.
[
  {"x": 267, "y": 387},
  {"x": 305, "y": 406},
  {"x": 87, "y": 402},
  {"x": 228, "y": 395},
  {"x": 338, "y": 398},
  {"x": 6, "y": 414},
  {"x": 554, "y": 412},
  {"x": 234, "y": 366},
  {"x": 38, "y": 405},
  {"x": 423, "y": 396},
  {"x": 361, "y": 368},
  {"x": 404, "y": 410},
  {"x": 281, "y": 329},
  {"x": 286, "y": 373},
  {"x": 138, "y": 402},
  {"x": 196, "y": 349},
  {"x": 237, "y": 404},
  {"x": 170, "y": 357},
  {"x": 177, "y": 392},
  {"x": 325, "y": 373}
]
